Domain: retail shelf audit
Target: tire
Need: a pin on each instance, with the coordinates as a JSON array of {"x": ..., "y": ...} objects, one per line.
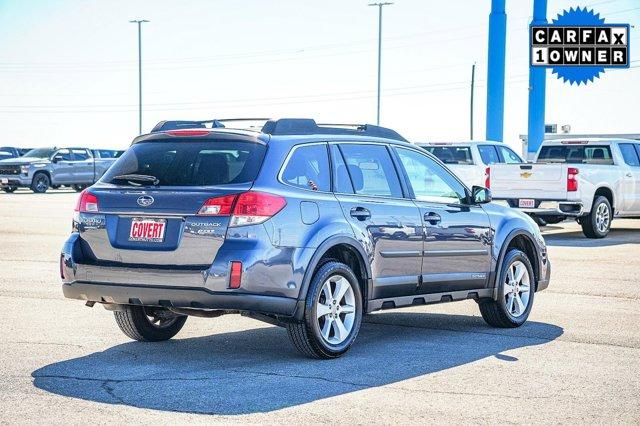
[
  {"x": 78, "y": 188},
  {"x": 502, "y": 313},
  {"x": 135, "y": 322},
  {"x": 9, "y": 189},
  {"x": 598, "y": 222},
  {"x": 319, "y": 336},
  {"x": 40, "y": 183}
]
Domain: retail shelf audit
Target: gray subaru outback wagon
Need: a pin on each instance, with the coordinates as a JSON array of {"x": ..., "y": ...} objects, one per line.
[{"x": 301, "y": 225}]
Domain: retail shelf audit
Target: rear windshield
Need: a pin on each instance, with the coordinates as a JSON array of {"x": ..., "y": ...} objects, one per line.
[
  {"x": 576, "y": 154},
  {"x": 187, "y": 163},
  {"x": 451, "y": 154}
]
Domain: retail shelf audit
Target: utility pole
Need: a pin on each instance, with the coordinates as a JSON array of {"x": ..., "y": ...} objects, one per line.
[
  {"x": 473, "y": 82},
  {"x": 139, "y": 22},
  {"x": 379, "y": 5}
]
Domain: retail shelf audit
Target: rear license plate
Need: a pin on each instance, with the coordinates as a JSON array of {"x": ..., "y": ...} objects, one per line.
[
  {"x": 149, "y": 230},
  {"x": 526, "y": 203}
]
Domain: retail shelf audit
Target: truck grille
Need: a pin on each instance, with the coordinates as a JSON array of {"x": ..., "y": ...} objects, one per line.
[{"x": 9, "y": 170}]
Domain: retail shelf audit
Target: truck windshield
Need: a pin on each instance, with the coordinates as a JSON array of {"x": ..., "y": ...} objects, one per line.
[
  {"x": 40, "y": 153},
  {"x": 576, "y": 154},
  {"x": 187, "y": 163},
  {"x": 451, "y": 154}
]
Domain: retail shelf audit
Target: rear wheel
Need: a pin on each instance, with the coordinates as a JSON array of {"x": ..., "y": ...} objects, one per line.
[
  {"x": 79, "y": 188},
  {"x": 40, "y": 183},
  {"x": 515, "y": 293},
  {"x": 148, "y": 324},
  {"x": 333, "y": 313},
  {"x": 9, "y": 189},
  {"x": 598, "y": 222}
]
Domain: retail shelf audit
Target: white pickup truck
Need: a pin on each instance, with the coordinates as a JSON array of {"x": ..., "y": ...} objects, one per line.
[
  {"x": 470, "y": 160},
  {"x": 591, "y": 180}
]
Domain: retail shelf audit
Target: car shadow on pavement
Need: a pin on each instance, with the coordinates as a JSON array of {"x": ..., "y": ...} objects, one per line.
[
  {"x": 259, "y": 371},
  {"x": 616, "y": 236}
]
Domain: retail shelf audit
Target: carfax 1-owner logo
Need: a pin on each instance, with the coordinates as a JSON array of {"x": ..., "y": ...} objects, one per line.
[{"x": 579, "y": 45}]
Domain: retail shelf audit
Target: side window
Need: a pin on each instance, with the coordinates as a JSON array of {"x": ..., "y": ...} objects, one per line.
[
  {"x": 371, "y": 170},
  {"x": 488, "y": 154},
  {"x": 508, "y": 156},
  {"x": 308, "y": 167},
  {"x": 597, "y": 155},
  {"x": 430, "y": 181},
  {"x": 63, "y": 155},
  {"x": 629, "y": 154},
  {"x": 341, "y": 179},
  {"x": 80, "y": 154}
]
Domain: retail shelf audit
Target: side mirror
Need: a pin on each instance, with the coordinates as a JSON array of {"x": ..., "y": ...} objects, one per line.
[
  {"x": 480, "y": 195},
  {"x": 55, "y": 159}
]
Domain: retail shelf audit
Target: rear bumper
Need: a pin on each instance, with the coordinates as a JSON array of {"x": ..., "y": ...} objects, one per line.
[
  {"x": 198, "y": 298},
  {"x": 547, "y": 207},
  {"x": 266, "y": 289}
]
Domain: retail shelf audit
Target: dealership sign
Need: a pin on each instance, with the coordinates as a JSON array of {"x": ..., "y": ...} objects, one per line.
[{"x": 578, "y": 46}]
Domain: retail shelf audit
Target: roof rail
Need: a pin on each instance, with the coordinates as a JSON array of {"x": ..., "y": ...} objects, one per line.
[
  {"x": 284, "y": 126},
  {"x": 166, "y": 125},
  {"x": 307, "y": 126}
]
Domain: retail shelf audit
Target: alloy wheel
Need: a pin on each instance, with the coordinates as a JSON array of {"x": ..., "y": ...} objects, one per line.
[
  {"x": 602, "y": 218},
  {"x": 335, "y": 309},
  {"x": 517, "y": 288}
]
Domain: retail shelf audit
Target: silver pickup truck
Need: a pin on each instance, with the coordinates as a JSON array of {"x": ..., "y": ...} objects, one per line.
[{"x": 44, "y": 168}]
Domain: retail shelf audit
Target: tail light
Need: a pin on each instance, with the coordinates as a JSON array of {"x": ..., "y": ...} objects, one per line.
[
  {"x": 219, "y": 206},
  {"x": 572, "y": 180},
  {"x": 188, "y": 132},
  {"x": 87, "y": 203},
  {"x": 247, "y": 208},
  {"x": 487, "y": 177},
  {"x": 235, "y": 278}
]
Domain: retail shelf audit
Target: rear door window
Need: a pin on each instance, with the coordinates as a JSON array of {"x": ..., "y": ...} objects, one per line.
[
  {"x": 187, "y": 163},
  {"x": 489, "y": 154},
  {"x": 451, "y": 154},
  {"x": 308, "y": 167},
  {"x": 371, "y": 170},
  {"x": 629, "y": 154}
]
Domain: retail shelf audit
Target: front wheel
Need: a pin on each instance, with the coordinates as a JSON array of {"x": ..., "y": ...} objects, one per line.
[
  {"x": 598, "y": 222},
  {"x": 40, "y": 183},
  {"x": 515, "y": 293},
  {"x": 333, "y": 313},
  {"x": 148, "y": 324}
]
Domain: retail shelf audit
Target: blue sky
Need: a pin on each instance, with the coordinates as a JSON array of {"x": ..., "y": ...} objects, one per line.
[{"x": 68, "y": 69}]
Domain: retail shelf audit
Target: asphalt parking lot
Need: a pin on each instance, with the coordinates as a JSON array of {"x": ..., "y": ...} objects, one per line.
[{"x": 577, "y": 360}]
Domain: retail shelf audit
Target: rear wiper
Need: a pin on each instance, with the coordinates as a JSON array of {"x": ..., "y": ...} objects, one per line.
[{"x": 138, "y": 179}]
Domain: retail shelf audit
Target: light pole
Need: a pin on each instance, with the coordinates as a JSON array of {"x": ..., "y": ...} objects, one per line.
[
  {"x": 139, "y": 22},
  {"x": 379, "y": 5}
]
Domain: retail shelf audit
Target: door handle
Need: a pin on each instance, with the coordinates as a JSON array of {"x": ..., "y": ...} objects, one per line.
[
  {"x": 432, "y": 218},
  {"x": 360, "y": 213},
  {"x": 629, "y": 175}
]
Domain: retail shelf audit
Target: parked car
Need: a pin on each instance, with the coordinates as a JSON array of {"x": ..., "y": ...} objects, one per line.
[
  {"x": 592, "y": 181},
  {"x": 9, "y": 152},
  {"x": 470, "y": 160},
  {"x": 297, "y": 224},
  {"x": 44, "y": 168}
]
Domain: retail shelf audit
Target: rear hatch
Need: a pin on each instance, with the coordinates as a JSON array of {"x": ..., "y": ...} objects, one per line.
[
  {"x": 148, "y": 210},
  {"x": 529, "y": 181}
]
